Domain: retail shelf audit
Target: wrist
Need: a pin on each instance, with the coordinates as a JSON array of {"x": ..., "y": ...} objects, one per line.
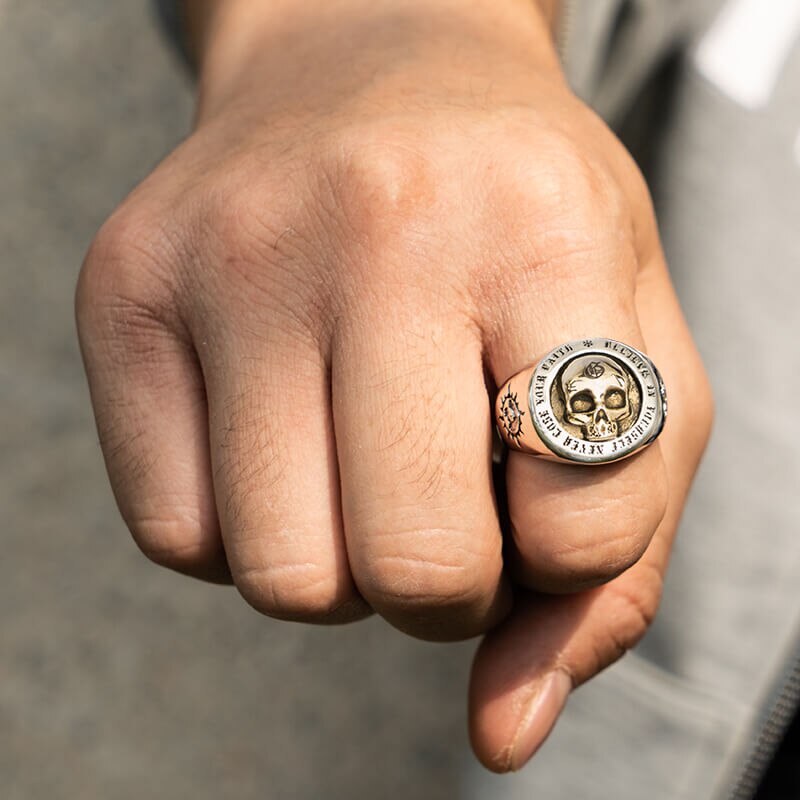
[
  {"x": 283, "y": 47},
  {"x": 201, "y": 15}
]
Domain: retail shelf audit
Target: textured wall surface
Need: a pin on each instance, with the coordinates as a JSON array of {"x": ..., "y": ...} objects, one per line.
[{"x": 118, "y": 679}]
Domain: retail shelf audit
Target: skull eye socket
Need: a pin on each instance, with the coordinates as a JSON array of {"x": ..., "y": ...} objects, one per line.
[
  {"x": 615, "y": 398},
  {"x": 582, "y": 403}
]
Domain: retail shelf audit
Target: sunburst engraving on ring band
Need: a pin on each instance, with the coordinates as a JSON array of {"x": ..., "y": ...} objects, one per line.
[{"x": 511, "y": 415}]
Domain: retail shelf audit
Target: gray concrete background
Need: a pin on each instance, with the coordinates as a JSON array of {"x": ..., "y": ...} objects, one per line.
[{"x": 118, "y": 679}]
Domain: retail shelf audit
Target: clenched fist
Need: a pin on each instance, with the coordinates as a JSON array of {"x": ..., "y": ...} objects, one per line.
[{"x": 293, "y": 330}]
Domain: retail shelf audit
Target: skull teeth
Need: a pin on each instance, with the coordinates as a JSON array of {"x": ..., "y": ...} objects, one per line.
[{"x": 601, "y": 431}]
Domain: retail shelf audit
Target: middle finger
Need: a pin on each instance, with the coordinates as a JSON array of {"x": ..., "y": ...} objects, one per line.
[{"x": 413, "y": 434}]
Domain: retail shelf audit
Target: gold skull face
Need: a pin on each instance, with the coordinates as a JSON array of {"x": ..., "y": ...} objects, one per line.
[{"x": 596, "y": 394}]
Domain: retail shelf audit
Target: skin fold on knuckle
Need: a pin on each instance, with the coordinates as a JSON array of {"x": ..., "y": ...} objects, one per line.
[
  {"x": 589, "y": 541},
  {"x": 174, "y": 538},
  {"x": 302, "y": 591},
  {"x": 567, "y": 568},
  {"x": 272, "y": 574},
  {"x": 429, "y": 582},
  {"x": 409, "y": 583}
]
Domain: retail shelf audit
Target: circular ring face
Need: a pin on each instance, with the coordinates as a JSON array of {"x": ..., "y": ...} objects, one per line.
[{"x": 596, "y": 400}]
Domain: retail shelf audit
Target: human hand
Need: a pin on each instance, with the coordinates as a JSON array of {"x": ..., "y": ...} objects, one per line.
[{"x": 289, "y": 326}]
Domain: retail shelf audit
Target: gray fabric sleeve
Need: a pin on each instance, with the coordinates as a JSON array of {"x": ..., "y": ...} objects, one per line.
[
  {"x": 169, "y": 19},
  {"x": 611, "y": 47}
]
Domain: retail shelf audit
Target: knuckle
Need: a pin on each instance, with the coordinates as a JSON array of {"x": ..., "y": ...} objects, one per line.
[
  {"x": 176, "y": 540},
  {"x": 378, "y": 182},
  {"x": 428, "y": 583},
  {"x": 123, "y": 286},
  {"x": 562, "y": 216},
  {"x": 573, "y": 190},
  {"x": 298, "y": 591},
  {"x": 127, "y": 244},
  {"x": 594, "y": 544},
  {"x": 566, "y": 187},
  {"x": 589, "y": 564}
]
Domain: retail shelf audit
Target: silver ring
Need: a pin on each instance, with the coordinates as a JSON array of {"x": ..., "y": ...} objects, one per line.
[{"x": 591, "y": 401}]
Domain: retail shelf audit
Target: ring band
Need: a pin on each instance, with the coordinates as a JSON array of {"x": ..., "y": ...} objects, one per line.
[{"x": 591, "y": 401}]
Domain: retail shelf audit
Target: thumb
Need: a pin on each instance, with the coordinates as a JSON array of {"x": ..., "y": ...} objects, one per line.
[{"x": 525, "y": 669}]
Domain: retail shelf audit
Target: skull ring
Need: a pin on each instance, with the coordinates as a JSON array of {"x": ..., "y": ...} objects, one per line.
[{"x": 592, "y": 401}]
